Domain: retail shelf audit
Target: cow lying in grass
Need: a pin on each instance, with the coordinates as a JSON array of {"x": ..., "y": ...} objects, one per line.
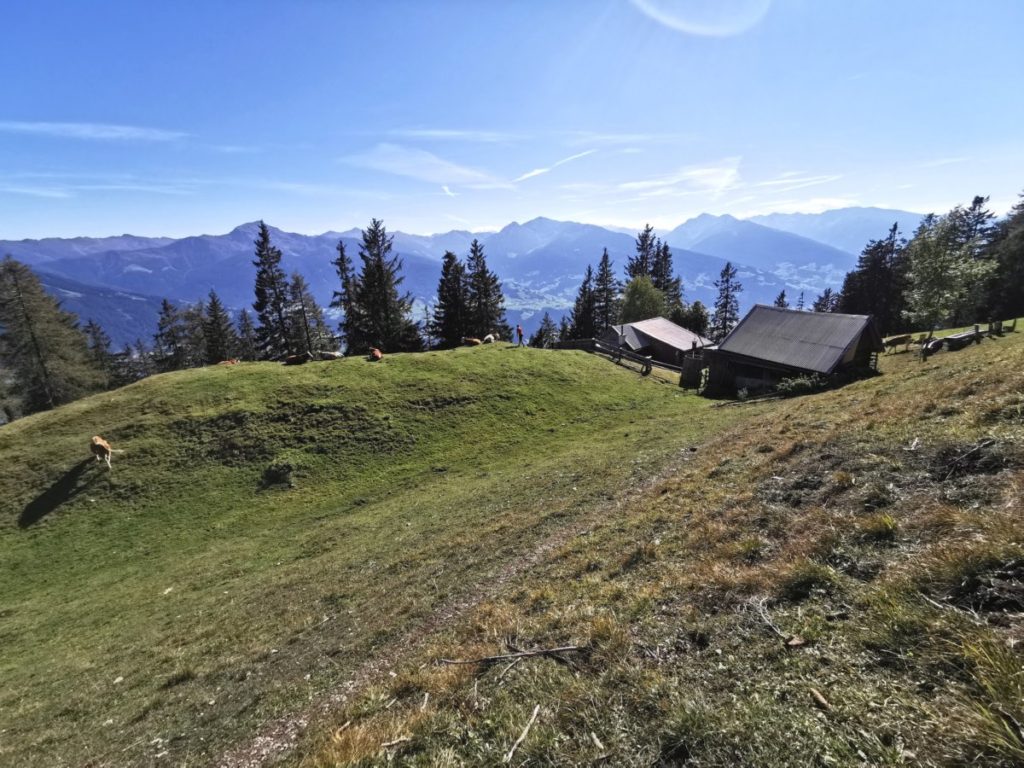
[
  {"x": 471, "y": 341},
  {"x": 101, "y": 450}
]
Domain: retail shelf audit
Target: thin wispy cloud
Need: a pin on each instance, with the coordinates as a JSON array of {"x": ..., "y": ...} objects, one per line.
[
  {"x": 713, "y": 180},
  {"x": 422, "y": 165},
  {"x": 455, "y": 134},
  {"x": 541, "y": 171},
  {"x": 787, "y": 182},
  {"x": 447, "y": 191},
  {"x": 91, "y": 131},
  {"x": 943, "y": 161},
  {"x": 30, "y": 191},
  {"x": 722, "y": 18},
  {"x": 575, "y": 138}
]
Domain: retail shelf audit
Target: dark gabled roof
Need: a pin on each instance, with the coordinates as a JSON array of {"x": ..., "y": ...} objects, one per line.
[
  {"x": 809, "y": 341},
  {"x": 639, "y": 334}
]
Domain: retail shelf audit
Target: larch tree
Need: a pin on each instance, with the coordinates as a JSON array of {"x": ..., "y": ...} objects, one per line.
[
  {"x": 727, "y": 305},
  {"x": 448, "y": 323},
  {"x": 485, "y": 300},
  {"x": 44, "y": 353},
  {"x": 271, "y": 304},
  {"x": 306, "y": 326},
  {"x": 248, "y": 348},
  {"x": 945, "y": 275}
]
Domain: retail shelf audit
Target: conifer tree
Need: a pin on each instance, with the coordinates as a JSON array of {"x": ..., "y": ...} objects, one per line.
[
  {"x": 606, "y": 294},
  {"x": 727, "y": 306},
  {"x": 345, "y": 298},
  {"x": 193, "y": 319},
  {"x": 309, "y": 332},
  {"x": 99, "y": 348},
  {"x": 448, "y": 323},
  {"x": 695, "y": 318},
  {"x": 646, "y": 246},
  {"x": 564, "y": 329},
  {"x": 877, "y": 285},
  {"x": 780, "y": 300},
  {"x": 1006, "y": 287},
  {"x": 800, "y": 302},
  {"x": 584, "y": 315},
  {"x": 485, "y": 301},
  {"x": 828, "y": 301},
  {"x": 382, "y": 317},
  {"x": 219, "y": 333},
  {"x": 641, "y": 300},
  {"x": 273, "y": 339},
  {"x": 247, "y": 348},
  {"x": 45, "y": 354},
  {"x": 664, "y": 278},
  {"x": 546, "y": 335},
  {"x": 170, "y": 340}
]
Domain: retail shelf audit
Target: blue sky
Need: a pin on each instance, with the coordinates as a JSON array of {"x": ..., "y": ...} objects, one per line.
[{"x": 180, "y": 118}]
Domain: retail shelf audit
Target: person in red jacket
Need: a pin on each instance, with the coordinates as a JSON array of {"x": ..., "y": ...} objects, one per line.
[{"x": 519, "y": 334}]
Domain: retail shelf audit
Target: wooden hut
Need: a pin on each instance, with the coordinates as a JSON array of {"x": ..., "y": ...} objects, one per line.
[
  {"x": 771, "y": 344},
  {"x": 662, "y": 339}
]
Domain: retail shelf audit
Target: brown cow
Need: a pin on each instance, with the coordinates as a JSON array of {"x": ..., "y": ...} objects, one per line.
[
  {"x": 471, "y": 341},
  {"x": 101, "y": 450}
]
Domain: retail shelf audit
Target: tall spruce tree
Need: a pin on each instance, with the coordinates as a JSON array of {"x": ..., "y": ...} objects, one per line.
[
  {"x": 271, "y": 304},
  {"x": 780, "y": 300},
  {"x": 665, "y": 280},
  {"x": 800, "y": 302},
  {"x": 727, "y": 305},
  {"x": 448, "y": 324},
  {"x": 309, "y": 332},
  {"x": 345, "y": 297},
  {"x": 45, "y": 354},
  {"x": 564, "y": 329},
  {"x": 546, "y": 335},
  {"x": 877, "y": 285},
  {"x": 382, "y": 318},
  {"x": 221, "y": 339},
  {"x": 247, "y": 346},
  {"x": 640, "y": 264},
  {"x": 607, "y": 291},
  {"x": 170, "y": 341},
  {"x": 193, "y": 318},
  {"x": 485, "y": 301},
  {"x": 584, "y": 311}
]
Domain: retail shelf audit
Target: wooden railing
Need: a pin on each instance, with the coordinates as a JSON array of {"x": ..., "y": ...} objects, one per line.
[{"x": 617, "y": 354}]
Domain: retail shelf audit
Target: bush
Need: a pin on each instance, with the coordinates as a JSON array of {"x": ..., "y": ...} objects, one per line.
[{"x": 801, "y": 385}]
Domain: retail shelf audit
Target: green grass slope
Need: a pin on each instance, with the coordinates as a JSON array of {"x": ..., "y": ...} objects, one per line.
[
  {"x": 169, "y": 608},
  {"x": 833, "y": 580}
]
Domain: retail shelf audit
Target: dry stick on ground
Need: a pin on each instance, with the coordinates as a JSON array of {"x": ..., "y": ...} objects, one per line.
[
  {"x": 520, "y": 655},
  {"x": 791, "y": 641},
  {"x": 522, "y": 736},
  {"x": 820, "y": 700},
  {"x": 956, "y": 462},
  {"x": 505, "y": 671},
  {"x": 396, "y": 742}
]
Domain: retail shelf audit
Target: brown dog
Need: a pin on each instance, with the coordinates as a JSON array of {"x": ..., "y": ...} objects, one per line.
[{"x": 101, "y": 450}]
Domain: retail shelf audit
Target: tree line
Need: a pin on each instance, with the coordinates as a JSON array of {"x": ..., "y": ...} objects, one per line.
[{"x": 958, "y": 268}]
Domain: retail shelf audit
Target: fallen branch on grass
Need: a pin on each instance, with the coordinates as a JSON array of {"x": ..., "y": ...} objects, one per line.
[
  {"x": 396, "y": 742},
  {"x": 511, "y": 656},
  {"x": 791, "y": 641},
  {"x": 522, "y": 736}
]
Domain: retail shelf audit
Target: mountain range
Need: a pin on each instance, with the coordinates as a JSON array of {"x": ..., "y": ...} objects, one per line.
[{"x": 118, "y": 281}]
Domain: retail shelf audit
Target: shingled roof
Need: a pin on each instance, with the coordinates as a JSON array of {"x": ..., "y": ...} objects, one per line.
[
  {"x": 809, "y": 341},
  {"x": 659, "y": 329}
]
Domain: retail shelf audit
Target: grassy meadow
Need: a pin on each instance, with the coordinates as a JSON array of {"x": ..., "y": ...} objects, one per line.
[
  {"x": 831, "y": 580},
  {"x": 269, "y": 532}
]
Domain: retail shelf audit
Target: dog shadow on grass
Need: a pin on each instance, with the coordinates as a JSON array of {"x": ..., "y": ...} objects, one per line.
[{"x": 71, "y": 484}]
